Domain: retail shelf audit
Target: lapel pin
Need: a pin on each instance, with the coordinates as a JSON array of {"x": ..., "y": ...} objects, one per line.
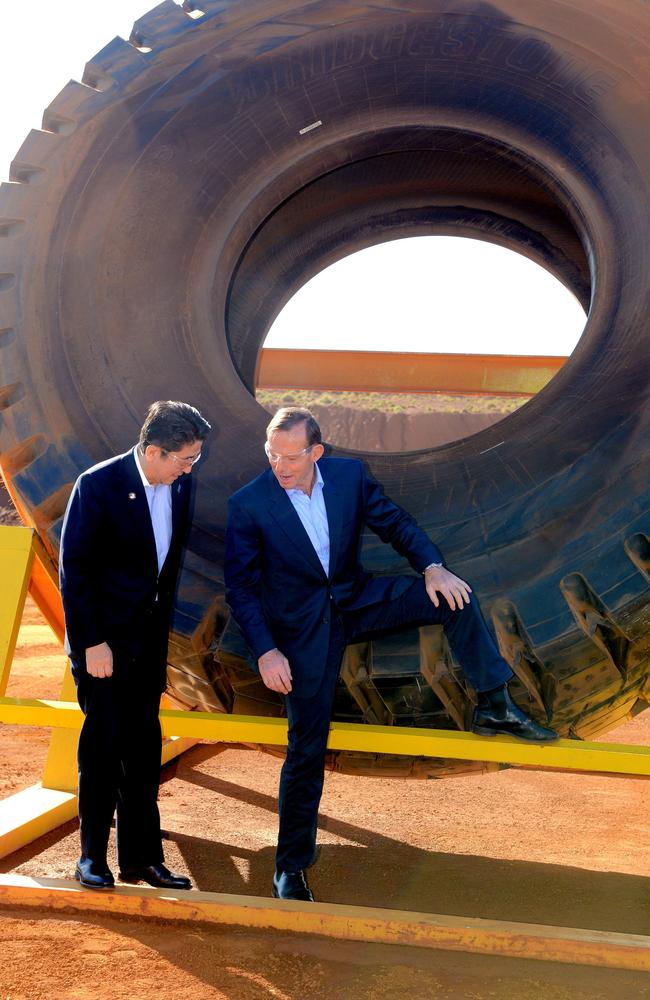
[{"x": 131, "y": 496}]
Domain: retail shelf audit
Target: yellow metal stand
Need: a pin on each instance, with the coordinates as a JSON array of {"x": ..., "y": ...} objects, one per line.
[
  {"x": 16, "y": 557},
  {"x": 31, "y": 813},
  {"x": 565, "y": 755},
  {"x": 27, "y": 815}
]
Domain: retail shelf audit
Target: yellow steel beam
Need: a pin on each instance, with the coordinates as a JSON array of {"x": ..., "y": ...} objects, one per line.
[
  {"x": 606, "y": 949},
  {"x": 60, "y": 769},
  {"x": 27, "y": 815},
  {"x": 34, "y": 811},
  {"x": 16, "y": 557},
  {"x": 31, "y": 813},
  {"x": 44, "y": 581},
  {"x": 40, "y": 712},
  {"x": 44, "y": 588},
  {"x": 394, "y": 371},
  {"x": 174, "y": 747},
  {"x": 25, "y": 564},
  {"x": 574, "y": 755}
]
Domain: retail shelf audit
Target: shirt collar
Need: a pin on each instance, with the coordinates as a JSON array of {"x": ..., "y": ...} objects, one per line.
[
  {"x": 145, "y": 481},
  {"x": 319, "y": 482}
]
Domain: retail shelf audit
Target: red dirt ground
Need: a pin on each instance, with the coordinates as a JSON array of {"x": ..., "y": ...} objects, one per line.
[{"x": 540, "y": 847}]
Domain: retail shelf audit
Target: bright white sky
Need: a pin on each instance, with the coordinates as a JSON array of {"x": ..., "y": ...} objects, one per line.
[
  {"x": 442, "y": 294},
  {"x": 423, "y": 294}
]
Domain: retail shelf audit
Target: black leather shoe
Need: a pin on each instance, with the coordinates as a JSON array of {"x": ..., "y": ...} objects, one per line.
[
  {"x": 93, "y": 875},
  {"x": 291, "y": 885},
  {"x": 496, "y": 713},
  {"x": 157, "y": 875}
]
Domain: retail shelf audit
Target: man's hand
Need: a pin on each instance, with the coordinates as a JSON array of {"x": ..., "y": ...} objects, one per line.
[
  {"x": 99, "y": 660},
  {"x": 439, "y": 580},
  {"x": 275, "y": 671}
]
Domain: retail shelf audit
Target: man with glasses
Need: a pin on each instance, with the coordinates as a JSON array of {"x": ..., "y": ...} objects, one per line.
[
  {"x": 298, "y": 592},
  {"x": 121, "y": 545}
]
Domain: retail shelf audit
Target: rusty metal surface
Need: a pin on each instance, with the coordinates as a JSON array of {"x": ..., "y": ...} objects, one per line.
[
  {"x": 174, "y": 202},
  {"x": 393, "y": 371}
]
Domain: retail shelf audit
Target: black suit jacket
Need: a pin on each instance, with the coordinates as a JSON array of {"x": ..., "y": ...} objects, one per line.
[
  {"x": 276, "y": 587},
  {"x": 108, "y": 564}
]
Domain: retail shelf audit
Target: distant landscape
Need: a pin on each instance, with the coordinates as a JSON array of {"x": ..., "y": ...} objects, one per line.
[
  {"x": 394, "y": 422},
  {"x": 395, "y": 402}
]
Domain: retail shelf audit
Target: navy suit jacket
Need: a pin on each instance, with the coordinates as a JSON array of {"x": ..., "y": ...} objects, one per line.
[
  {"x": 276, "y": 587},
  {"x": 108, "y": 564}
]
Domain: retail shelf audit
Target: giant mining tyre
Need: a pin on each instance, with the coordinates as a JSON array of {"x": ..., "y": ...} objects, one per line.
[{"x": 206, "y": 168}]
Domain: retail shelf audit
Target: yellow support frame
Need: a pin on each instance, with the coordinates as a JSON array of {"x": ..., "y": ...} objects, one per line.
[
  {"x": 566, "y": 755},
  {"x": 16, "y": 557},
  {"x": 27, "y": 815}
]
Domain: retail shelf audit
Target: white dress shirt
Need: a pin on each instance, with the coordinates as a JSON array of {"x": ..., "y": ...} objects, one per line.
[
  {"x": 159, "y": 498},
  {"x": 313, "y": 515}
]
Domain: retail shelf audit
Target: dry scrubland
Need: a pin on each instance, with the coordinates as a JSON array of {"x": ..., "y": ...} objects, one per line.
[
  {"x": 395, "y": 402},
  {"x": 394, "y": 422}
]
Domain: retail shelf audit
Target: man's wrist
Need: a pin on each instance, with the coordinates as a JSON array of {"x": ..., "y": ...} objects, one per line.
[{"x": 431, "y": 566}]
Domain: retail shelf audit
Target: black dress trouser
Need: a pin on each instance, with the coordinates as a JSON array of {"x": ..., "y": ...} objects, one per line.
[
  {"x": 119, "y": 760},
  {"x": 301, "y": 780}
]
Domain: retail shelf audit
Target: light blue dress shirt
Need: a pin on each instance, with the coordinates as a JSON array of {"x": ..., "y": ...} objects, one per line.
[
  {"x": 159, "y": 498},
  {"x": 313, "y": 515}
]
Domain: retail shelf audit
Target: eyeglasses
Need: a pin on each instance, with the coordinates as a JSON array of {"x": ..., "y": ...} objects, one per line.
[
  {"x": 179, "y": 459},
  {"x": 273, "y": 458}
]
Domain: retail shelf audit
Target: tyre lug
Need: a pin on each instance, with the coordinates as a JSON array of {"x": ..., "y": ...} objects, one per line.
[{"x": 595, "y": 620}]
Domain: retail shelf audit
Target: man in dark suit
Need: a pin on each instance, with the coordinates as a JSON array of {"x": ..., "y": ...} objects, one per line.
[
  {"x": 298, "y": 592},
  {"x": 122, "y": 539}
]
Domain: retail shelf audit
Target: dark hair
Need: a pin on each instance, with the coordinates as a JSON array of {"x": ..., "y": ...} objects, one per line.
[
  {"x": 170, "y": 425},
  {"x": 290, "y": 416}
]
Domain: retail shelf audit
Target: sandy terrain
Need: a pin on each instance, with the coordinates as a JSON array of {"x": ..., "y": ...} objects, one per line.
[{"x": 520, "y": 845}]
